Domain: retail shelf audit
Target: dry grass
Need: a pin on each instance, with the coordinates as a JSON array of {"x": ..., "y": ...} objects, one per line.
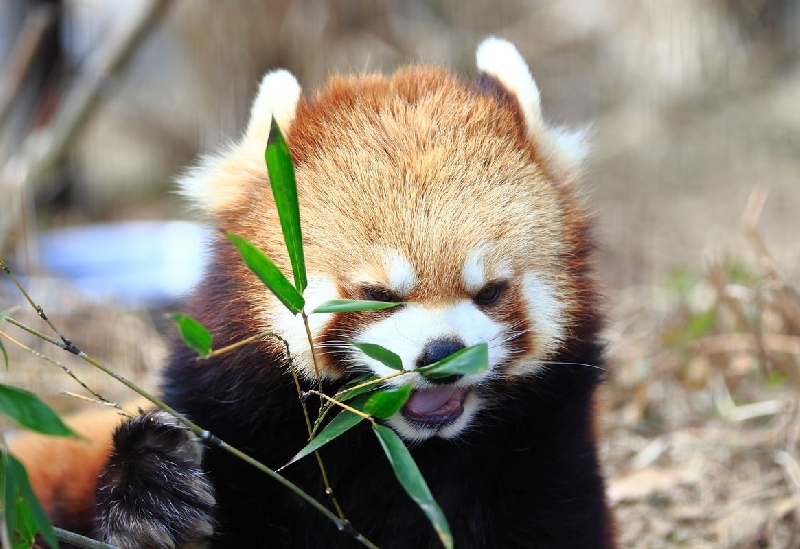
[{"x": 703, "y": 422}]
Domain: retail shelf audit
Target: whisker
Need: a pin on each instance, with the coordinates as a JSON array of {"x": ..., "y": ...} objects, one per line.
[{"x": 559, "y": 363}]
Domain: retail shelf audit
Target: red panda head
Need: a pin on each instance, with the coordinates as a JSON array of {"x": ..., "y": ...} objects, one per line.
[{"x": 419, "y": 187}]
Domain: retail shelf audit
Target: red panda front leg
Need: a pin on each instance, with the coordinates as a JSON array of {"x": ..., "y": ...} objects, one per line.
[{"x": 152, "y": 492}]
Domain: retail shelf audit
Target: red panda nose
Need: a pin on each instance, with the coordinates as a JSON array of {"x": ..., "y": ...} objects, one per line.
[{"x": 437, "y": 350}]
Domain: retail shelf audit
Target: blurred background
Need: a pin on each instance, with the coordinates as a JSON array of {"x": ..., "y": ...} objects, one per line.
[{"x": 694, "y": 110}]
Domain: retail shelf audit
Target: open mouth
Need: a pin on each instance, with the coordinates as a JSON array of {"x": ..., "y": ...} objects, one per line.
[{"x": 435, "y": 407}]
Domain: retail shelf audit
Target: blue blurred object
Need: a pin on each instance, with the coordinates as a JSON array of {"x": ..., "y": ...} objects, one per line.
[{"x": 139, "y": 264}]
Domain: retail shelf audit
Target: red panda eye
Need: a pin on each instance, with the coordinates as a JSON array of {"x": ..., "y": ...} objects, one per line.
[
  {"x": 489, "y": 294},
  {"x": 381, "y": 294}
]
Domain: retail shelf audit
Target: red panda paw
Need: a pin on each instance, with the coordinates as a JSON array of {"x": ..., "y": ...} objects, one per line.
[{"x": 153, "y": 492}]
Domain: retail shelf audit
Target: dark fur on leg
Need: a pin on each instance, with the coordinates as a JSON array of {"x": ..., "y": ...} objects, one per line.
[{"x": 153, "y": 493}]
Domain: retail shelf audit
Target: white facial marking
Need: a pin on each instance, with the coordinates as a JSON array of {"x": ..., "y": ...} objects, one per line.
[
  {"x": 473, "y": 274},
  {"x": 546, "y": 312},
  {"x": 290, "y": 327},
  {"x": 401, "y": 274}
]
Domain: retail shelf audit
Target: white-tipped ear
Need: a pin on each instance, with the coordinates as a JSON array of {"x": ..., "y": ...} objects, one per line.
[
  {"x": 499, "y": 58},
  {"x": 563, "y": 149},
  {"x": 277, "y": 97}
]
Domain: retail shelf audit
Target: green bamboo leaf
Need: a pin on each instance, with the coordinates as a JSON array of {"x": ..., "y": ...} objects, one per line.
[
  {"x": 15, "y": 519},
  {"x": 193, "y": 333},
  {"x": 347, "y": 392},
  {"x": 353, "y": 306},
  {"x": 284, "y": 189},
  {"x": 471, "y": 360},
  {"x": 386, "y": 403},
  {"x": 381, "y": 354},
  {"x": 3, "y": 316},
  {"x": 407, "y": 472},
  {"x": 269, "y": 274},
  {"x": 29, "y": 411},
  {"x": 344, "y": 394},
  {"x": 341, "y": 423},
  {"x": 24, "y": 516}
]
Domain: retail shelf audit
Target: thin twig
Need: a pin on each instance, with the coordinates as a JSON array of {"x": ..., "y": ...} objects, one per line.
[
  {"x": 342, "y": 405},
  {"x": 371, "y": 382},
  {"x": 67, "y": 344},
  {"x": 66, "y": 370},
  {"x": 122, "y": 411},
  {"x": 81, "y": 541},
  {"x": 325, "y": 480},
  {"x": 242, "y": 343},
  {"x": 313, "y": 353}
]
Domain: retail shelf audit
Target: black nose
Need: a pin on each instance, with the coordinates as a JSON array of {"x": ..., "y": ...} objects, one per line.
[{"x": 438, "y": 350}]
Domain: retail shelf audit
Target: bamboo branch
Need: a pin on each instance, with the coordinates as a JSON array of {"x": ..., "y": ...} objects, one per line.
[
  {"x": 206, "y": 436},
  {"x": 80, "y": 541},
  {"x": 309, "y": 427},
  {"x": 99, "y": 398}
]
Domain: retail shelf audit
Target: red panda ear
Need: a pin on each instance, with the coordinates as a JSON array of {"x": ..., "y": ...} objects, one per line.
[
  {"x": 500, "y": 59},
  {"x": 277, "y": 98},
  {"x": 223, "y": 180},
  {"x": 562, "y": 149}
]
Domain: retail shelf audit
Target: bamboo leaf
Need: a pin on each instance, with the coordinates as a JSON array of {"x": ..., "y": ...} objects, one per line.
[
  {"x": 193, "y": 333},
  {"x": 284, "y": 189},
  {"x": 407, "y": 472},
  {"x": 386, "y": 403},
  {"x": 341, "y": 423},
  {"x": 344, "y": 394},
  {"x": 471, "y": 360},
  {"x": 269, "y": 274},
  {"x": 381, "y": 354},
  {"x": 348, "y": 393},
  {"x": 353, "y": 306},
  {"x": 24, "y": 516},
  {"x": 29, "y": 411}
]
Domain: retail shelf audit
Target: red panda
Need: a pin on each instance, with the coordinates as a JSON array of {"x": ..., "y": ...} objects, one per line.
[{"x": 453, "y": 197}]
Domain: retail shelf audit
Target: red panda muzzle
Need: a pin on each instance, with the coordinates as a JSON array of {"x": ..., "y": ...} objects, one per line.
[{"x": 436, "y": 406}]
